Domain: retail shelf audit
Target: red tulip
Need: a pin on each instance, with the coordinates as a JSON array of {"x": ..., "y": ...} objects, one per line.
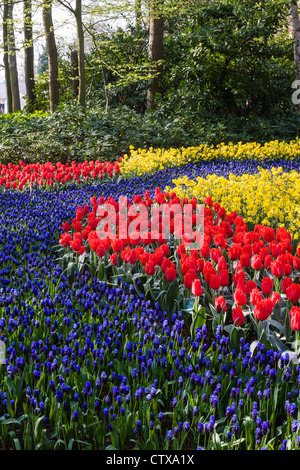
[
  {"x": 113, "y": 259},
  {"x": 239, "y": 297},
  {"x": 293, "y": 292},
  {"x": 224, "y": 277},
  {"x": 170, "y": 274},
  {"x": 214, "y": 282},
  {"x": 150, "y": 268},
  {"x": 66, "y": 227},
  {"x": 250, "y": 286},
  {"x": 197, "y": 288},
  {"x": 220, "y": 304},
  {"x": 188, "y": 280},
  {"x": 238, "y": 316},
  {"x": 256, "y": 262},
  {"x": 266, "y": 285},
  {"x": 65, "y": 239},
  {"x": 263, "y": 309},
  {"x": 295, "y": 318},
  {"x": 255, "y": 296}
]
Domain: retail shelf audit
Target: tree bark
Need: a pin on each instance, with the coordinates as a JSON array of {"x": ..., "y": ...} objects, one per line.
[
  {"x": 5, "y": 58},
  {"x": 295, "y": 25},
  {"x": 29, "y": 56},
  {"x": 156, "y": 40},
  {"x": 81, "y": 64},
  {"x": 74, "y": 71},
  {"x": 52, "y": 55},
  {"x": 12, "y": 59}
]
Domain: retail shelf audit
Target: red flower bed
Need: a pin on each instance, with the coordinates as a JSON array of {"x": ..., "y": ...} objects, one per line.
[
  {"x": 237, "y": 271},
  {"x": 22, "y": 175}
]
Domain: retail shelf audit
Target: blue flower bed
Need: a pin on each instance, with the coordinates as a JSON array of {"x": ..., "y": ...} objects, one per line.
[{"x": 93, "y": 365}]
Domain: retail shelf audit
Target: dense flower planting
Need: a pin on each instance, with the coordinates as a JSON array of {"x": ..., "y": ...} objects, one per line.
[
  {"x": 251, "y": 269},
  {"x": 48, "y": 174},
  {"x": 260, "y": 183},
  {"x": 146, "y": 345},
  {"x": 144, "y": 161},
  {"x": 270, "y": 197}
]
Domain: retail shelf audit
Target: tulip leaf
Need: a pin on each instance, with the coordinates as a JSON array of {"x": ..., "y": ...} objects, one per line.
[{"x": 198, "y": 321}]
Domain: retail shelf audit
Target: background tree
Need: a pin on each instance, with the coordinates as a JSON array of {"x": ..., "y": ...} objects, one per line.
[
  {"x": 12, "y": 58},
  {"x": 295, "y": 26},
  {"x": 29, "y": 56},
  {"x": 77, "y": 12},
  {"x": 74, "y": 71},
  {"x": 5, "y": 57},
  {"x": 52, "y": 55},
  {"x": 156, "y": 40}
]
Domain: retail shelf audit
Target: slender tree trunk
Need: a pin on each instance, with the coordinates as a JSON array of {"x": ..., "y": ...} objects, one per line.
[
  {"x": 5, "y": 58},
  {"x": 138, "y": 13},
  {"x": 29, "y": 56},
  {"x": 156, "y": 39},
  {"x": 52, "y": 55},
  {"x": 12, "y": 59},
  {"x": 74, "y": 72},
  {"x": 81, "y": 64}
]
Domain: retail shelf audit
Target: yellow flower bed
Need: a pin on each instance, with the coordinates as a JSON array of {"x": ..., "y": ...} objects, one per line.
[
  {"x": 141, "y": 162},
  {"x": 269, "y": 197}
]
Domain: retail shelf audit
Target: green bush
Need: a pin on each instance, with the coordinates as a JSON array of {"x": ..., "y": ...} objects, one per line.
[
  {"x": 227, "y": 76},
  {"x": 72, "y": 134}
]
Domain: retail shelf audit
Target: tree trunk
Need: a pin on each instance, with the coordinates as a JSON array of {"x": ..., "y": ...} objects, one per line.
[
  {"x": 52, "y": 55},
  {"x": 81, "y": 64},
  {"x": 12, "y": 59},
  {"x": 29, "y": 56},
  {"x": 5, "y": 58},
  {"x": 74, "y": 71},
  {"x": 295, "y": 25},
  {"x": 156, "y": 39}
]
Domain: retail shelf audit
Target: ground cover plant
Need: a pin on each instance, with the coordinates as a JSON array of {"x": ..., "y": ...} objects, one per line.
[{"x": 147, "y": 345}]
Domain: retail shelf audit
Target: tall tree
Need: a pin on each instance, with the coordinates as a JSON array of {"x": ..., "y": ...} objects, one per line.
[
  {"x": 77, "y": 12},
  {"x": 74, "y": 71},
  {"x": 29, "y": 56},
  {"x": 156, "y": 40},
  {"x": 52, "y": 55},
  {"x": 12, "y": 58},
  {"x": 81, "y": 64},
  {"x": 295, "y": 26},
  {"x": 5, "y": 58}
]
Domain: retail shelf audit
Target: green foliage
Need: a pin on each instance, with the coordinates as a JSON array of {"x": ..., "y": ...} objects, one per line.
[
  {"x": 119, "y": 62},
  {"x": 72, "y": 134},
  {"x": 43, "y": 62},
  {"x": 42, "y": 84},
  {"x": 230, "y": 57},
  {"x": 227, "y": 76},
  {"x": 226, "y": 57}
]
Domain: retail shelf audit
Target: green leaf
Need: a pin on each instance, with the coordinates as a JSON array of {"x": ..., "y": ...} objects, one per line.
[
  {"x": 235, "y": 335},
  {"x": 171, "y": 296},
  {"x": 38, "y": 429},
  {"x": 17, "y": 444},
  {"x": 198, "y": 321},
  {"x": 110, "y": 447}
]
